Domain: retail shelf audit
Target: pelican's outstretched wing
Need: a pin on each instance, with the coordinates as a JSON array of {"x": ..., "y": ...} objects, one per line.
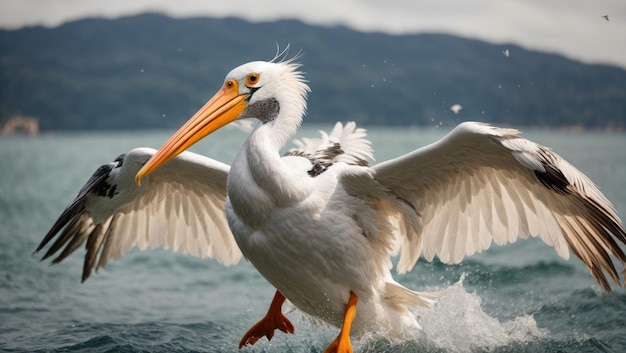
[
  {"x": 482, "y": 184},
  {"x": 179, "y": 207}
]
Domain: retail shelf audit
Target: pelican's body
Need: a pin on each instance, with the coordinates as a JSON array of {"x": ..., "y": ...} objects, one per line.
[
  {"x": 307, "y": 236},
  {"x": 320, "y": 224}
]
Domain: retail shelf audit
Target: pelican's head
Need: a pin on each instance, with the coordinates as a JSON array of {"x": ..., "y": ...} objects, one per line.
[{"x": 272, "y": 92}]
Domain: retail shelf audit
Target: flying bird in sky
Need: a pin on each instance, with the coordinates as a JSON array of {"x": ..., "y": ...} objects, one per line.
[{"x": 321, "y": 224}]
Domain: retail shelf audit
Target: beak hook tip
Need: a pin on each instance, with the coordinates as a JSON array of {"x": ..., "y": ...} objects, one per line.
[{"x": 138, "y": 178}]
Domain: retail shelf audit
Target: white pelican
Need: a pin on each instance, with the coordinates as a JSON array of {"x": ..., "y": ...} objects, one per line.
[{"x": 319, "y": 224}]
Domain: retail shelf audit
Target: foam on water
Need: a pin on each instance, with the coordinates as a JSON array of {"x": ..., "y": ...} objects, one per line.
[{"x": 458, "y": 323}]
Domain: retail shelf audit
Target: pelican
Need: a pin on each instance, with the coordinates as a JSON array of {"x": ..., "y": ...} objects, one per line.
[{"x": 319, "y": 223}]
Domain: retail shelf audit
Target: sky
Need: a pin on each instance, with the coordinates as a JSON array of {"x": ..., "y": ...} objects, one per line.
[{"x": 574, "y": 28}]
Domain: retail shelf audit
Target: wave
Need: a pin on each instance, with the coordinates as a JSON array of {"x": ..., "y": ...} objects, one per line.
[{"x": 457, "y": 323}]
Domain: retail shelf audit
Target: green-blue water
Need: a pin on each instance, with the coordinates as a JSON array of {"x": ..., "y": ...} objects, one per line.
[{"x": 518, "y": 298}]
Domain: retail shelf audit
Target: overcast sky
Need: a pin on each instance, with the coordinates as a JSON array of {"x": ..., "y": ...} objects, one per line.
[{"x": 575, "y": 28}]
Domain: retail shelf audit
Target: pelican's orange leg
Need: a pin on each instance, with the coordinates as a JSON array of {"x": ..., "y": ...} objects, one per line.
[
  {"x": 341, "y": 344},
  {"x": 274, "y": 319}
]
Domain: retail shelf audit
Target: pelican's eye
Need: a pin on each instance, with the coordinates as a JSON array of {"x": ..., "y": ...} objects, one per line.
[
  {"x": 252, "y": 79},
  {"x": 230, "y": 84}
]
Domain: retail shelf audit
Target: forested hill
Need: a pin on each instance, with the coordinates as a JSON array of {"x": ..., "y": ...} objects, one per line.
[{"x": 152, "y": 71}]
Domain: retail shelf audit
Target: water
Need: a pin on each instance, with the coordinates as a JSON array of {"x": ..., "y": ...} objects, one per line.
[{"x": 517, "y": 298}]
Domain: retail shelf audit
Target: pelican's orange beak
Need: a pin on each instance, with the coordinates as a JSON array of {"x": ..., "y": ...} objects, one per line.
[{"x": 223, "y": 108}]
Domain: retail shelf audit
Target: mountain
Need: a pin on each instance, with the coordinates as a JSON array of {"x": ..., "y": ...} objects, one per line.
[{"x": 152, "y": 71}]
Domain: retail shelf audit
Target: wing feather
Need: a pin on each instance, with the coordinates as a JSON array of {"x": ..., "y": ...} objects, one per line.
[
  {"x": 178, "y": 207},
  {"x": 481, "y": 185},
  {"x": 345, "y": 143}
]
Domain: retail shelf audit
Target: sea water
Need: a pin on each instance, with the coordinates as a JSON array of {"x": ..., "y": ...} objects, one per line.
[{"x": 516, "y": 298}]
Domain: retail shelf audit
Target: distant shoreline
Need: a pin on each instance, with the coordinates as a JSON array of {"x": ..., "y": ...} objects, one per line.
[{"x": 152, "y": 71}]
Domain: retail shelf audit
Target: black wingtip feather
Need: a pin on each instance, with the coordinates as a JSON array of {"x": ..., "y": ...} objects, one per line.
[
  {"x": 553, "y": 179},
  {"x": 69, "y": 217}
]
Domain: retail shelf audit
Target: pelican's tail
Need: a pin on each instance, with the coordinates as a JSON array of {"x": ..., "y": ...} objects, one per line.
[{"x": 401, "y": 297}]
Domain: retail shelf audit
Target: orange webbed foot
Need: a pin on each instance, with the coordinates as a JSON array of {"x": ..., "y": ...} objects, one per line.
[
  {"x": 274, "y": 319},
  {"x": 339, "y": 346},
  {"x": 342, "y": 344}
]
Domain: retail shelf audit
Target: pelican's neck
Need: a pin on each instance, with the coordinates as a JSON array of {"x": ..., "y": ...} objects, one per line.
[
  {"x": 260, "y": 177},
  {"x": 259, "y": 182},
  {"x": 259, "y": 168},
  {"x": 263, "y": 150}
]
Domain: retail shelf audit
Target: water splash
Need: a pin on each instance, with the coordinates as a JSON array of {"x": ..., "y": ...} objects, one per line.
[{"x": 457, "y": 323}]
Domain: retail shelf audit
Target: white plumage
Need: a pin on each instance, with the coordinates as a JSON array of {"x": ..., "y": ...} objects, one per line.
[
  {"x": 319, "y": 223},
  {"x": 116, "y": 215}
]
